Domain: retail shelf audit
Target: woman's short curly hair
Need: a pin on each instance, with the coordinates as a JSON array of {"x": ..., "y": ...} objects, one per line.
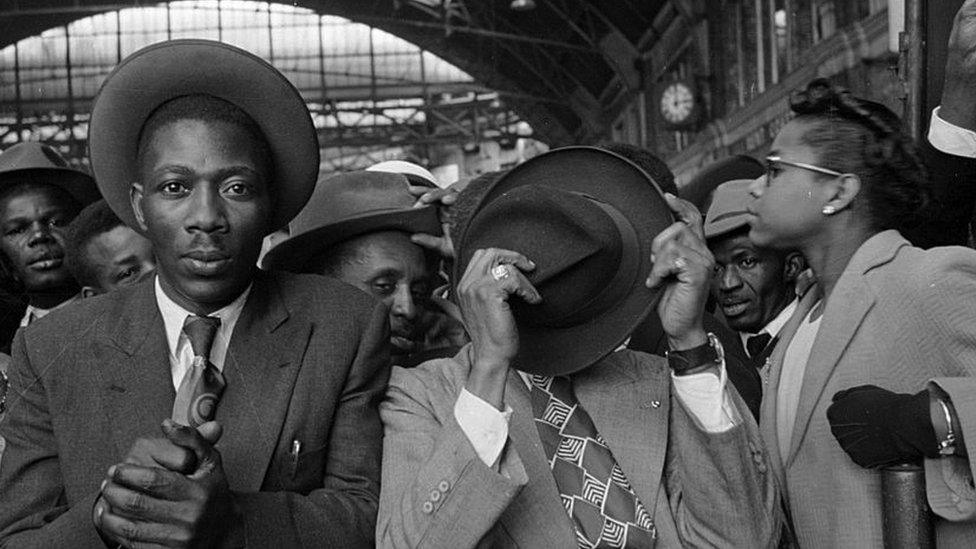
[{"x": 853, "y": 135}]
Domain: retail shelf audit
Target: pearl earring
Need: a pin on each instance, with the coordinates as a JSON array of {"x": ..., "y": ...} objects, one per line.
[{"x": 829, "y": 210}]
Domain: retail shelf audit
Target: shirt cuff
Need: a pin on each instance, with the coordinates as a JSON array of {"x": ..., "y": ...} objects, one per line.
[
  {"x": 704, "y": 396},
  {"x": 485, "y": 426},
  {"x": 951, "y": 139}
]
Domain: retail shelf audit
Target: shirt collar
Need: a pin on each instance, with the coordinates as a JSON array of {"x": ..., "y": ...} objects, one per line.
[
  {"x": 33, "y": 313},
  {"x": 174, "y": 316},
  {"x": 775, "y": 325}
]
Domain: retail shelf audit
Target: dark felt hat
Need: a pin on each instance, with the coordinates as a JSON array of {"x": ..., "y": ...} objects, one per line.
[
  {"x": 37, "y": 162},
  {"x": 167, "y": 70},
  {"x": 586, "y": 217},
  {"x": 347, "y": 205}
]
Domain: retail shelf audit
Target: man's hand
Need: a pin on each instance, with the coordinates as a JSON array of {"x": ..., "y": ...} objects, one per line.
[
  {"x": 151, "y": 506},
  {"x": 877, "y": 427},
  {"x": 491, "y": 278},
  {"x": 442, "y": 199},
  {"x": 683, "y": 266},
  {"x": 958, "y": 97}
]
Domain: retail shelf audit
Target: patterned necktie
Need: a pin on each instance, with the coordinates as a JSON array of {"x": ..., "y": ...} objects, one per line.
[
  {"x": 594, "y": 490},
  {"x": 202, "y": 385},
  {"x": 757, "y": 344}
]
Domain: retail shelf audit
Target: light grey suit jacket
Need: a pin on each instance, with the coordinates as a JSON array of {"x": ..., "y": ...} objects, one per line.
[
  {"x": 701, "y": 489},
  {"x": 897, "y": 317},
  {"x": 88, "y": 380}
]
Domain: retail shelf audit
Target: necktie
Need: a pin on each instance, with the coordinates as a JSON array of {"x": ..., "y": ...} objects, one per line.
[
  {"x": 757, "y": 344},
  {"x": 594, "y": 490},
  {"x": 202, "y": 385}
]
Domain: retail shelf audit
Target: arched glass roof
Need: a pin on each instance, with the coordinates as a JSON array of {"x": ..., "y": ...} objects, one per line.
[{"x": 351, "y": 75}]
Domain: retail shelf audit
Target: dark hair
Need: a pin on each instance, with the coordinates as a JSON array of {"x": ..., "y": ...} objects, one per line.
[
  {"x": 647, "y": 161},
  {"x": 865, "y": 138},
  {"x": 205, "y": 108},
  {"x": 96, "y": 219}
]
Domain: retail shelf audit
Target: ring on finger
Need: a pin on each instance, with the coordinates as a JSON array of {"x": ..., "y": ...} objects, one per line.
[
  {"x": 680, "y": 263},
  {"x": 500, "y": 272}
]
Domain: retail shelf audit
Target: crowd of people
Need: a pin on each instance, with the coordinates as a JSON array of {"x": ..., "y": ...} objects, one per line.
[{"x": 207, "y": 345}]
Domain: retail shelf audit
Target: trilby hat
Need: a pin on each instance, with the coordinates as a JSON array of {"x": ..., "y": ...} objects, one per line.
[
  {"x": 729, "y": 209},
  {"x": 586, "y": 217},
  {"x": 37, "y": 162},
  {"x": 416, "y": 175},
  {"x": 347, "y": 205},
  {"x": 158, "y": 73}
]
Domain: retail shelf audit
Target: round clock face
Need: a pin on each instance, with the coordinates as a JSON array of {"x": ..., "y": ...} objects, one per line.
[{"x": 677, "y": 103}]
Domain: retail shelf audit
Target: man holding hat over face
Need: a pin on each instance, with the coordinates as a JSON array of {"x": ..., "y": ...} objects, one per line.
[
  {"x": 357, "y": 228},
  {"x": 539, "y": 433},
  {"x": 39, "y": 195},
  {"x": 213, "y": 405}
]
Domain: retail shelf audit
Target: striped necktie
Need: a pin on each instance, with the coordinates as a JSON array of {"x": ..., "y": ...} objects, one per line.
[
  {"x": 202, "y": 385},
  {"x": 594, "y": 490}
]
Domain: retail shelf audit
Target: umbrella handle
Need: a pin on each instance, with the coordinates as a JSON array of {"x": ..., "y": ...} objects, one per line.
[{"x": 908, "y": 521}]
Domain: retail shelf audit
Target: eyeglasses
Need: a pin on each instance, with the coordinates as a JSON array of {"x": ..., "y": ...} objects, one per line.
[{"x": 772, "y": 160}]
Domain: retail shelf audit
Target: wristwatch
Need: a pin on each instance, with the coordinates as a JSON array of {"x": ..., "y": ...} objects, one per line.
[
  {"x": 697, "y": 358},
  {"x": 947, "y": 445},
  {"x": 4, "y": 384}
]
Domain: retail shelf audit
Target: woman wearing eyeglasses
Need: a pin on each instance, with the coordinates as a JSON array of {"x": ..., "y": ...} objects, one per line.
[{"x": 884, "y": 319}]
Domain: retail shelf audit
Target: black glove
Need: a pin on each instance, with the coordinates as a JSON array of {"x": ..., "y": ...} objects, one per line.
[{"x": 877, "y": 427}]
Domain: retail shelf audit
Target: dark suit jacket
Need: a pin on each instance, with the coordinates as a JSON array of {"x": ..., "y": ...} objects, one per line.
[
  {"x": 649, "y": 338},
  {"x": 953, "y": 179},
  {"x": 702, "y": 490},
  {"x": 307, "y": 361}
]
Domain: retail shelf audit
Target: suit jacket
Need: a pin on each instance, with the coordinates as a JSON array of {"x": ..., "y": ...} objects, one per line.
[
  {"x": 649, "y": 337},
  {"x": 953, "y": 184},
  {"x": 307, "y": 361},
  {"x": 897, "y": 317},
  {"x": 701, "y": 489}
]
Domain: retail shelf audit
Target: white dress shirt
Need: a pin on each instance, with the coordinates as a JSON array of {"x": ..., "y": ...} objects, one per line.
[
  {"x": 791, "y": 378},
  {"x": 951, "y": 139},
  {"x": 180, "y": 351},
  {"x": 703, "y": 394},
  {"x": 774, "y": 326}
]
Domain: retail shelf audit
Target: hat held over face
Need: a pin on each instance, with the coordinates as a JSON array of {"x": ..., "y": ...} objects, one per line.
[
  {"x": 39, "y": 163},
  {"x": 347, "y": 205},
  {"x": 729, "y": 210},
  {"x": 158, "y": 73},
  {"x": 586, "y": 217}
]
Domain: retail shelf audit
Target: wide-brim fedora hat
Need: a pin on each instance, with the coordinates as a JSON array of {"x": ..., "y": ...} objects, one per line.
[
  {"x": 154, "y": 75},
  {"x": 39, "y": 163},
  {"x": 586, "y": 217},
  {"x": 348, "y": 205},
  {"x": 730, "y": 208}
]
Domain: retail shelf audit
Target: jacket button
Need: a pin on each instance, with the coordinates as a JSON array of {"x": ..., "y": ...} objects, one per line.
[
  {"x": 444, "y": 486},
  {"x": 428, "y": 507},
  {"x": 435, "y": 496}
]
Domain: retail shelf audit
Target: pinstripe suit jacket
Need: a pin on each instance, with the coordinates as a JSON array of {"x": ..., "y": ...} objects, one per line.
[
  {"x": 709, "y": 490},
  {"x": 897, "y": 317},
  {"x": 88, "y": 380}
]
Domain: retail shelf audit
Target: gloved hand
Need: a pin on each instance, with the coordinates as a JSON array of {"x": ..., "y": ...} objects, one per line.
[{"x": 877, "y": 427}]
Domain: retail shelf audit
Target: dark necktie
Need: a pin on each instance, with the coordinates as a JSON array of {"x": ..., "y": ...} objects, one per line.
[
  {"x": 594, "y": 490},
  {"x": 202, "y": 385},
  {"x": 757, "y": 344}
]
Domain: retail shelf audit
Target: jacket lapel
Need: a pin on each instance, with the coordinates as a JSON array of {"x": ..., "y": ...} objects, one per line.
[
  {"x": 263, "y": 360},
  {"x": 620, "y": 400},
  {"x": 845, "y": 309},
  {"x": 536, "y": 518},
  {"x": 135, "y": 358}
]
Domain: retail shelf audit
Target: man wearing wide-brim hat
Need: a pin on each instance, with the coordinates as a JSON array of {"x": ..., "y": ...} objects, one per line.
[
  {"x": 543, "y": 432},
  {"x": 39, "y": 194},
  {"x": 214, "y": 405},
  {"x": 357, "y": 228}
]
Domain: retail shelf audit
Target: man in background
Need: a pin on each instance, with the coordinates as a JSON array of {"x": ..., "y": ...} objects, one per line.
[{"x": 104, "y": 254}]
